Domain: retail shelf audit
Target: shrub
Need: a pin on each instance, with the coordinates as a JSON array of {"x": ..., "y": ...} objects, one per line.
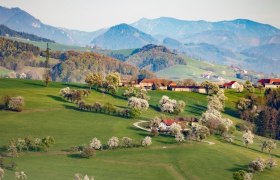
[
  {"x": 268, "y": 145},
  {"x": 133, "y": 113},
  {"x": 180, "y": 107},
  {"x": 147, "y": 141},
  {"x": 97, "y": 107},
  {"x": 78, "y": 176},
  {"x": 87, "y": 152},
  {"x": 154, "y": 131},
  {"x": 200, "y": 132},
  {"x": 228, "y": 137},
  {"x": 20, "y": 175},
  {"x": 126, "y": 142},
  {"x": 175, "y": 128},
  {"x": 248, "y": 138},
  {"x": 12, "y": 148},
  {"x": 47, "y": 142},
  {"x": 270, "y": 163},
  {"x": 256, "y": 165},
  {"x": 179, "y": 138},
  {"x": 242, "y": 175},
  {"x": 113, "y": 142},
  {"x": 155, "y": 122},
  {"x": 16, "y": 103},
  {"x": 95, "y": 144},
  {"x": 2, "y": 173}
]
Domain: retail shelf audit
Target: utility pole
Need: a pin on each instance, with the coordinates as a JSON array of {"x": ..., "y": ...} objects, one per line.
[{"x": 47, "y": 75}]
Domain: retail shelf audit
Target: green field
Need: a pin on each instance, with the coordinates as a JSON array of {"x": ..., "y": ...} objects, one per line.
[
  {"x": 46, "y": 113},
  {"x": 194, "y": 69}
]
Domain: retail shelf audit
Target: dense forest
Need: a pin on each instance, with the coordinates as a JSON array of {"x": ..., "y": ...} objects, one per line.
[
  {"x": 262, "y": 112},
  {"x": 5, "y": 31},
  {"x": 154, "y": 58}
]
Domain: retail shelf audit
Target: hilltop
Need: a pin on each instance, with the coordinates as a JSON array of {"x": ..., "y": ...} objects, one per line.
[{"x": 123, "y": 36}]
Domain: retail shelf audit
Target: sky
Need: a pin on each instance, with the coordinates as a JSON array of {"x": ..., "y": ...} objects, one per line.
[{"x": 90, "y": 15}]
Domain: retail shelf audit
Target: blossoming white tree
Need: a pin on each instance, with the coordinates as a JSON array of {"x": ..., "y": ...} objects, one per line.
[
  {"x": 175, "y": 128},
  {"x": 147, "y": 141},
  {"x": 126, "y": 142},
  {"x": 95, "y": 143},
  {"x": 2, "y": 173},
  {"x": 248, "y": 138},
  {"x": 138, "y": 103},
  {"x": 20, "y": 175},
  {"x": 268, "y": 145},
  {"x": 171, "y": 105},
  {"x": 113, "y": 142},
  {"x": 79, "y": 176}
]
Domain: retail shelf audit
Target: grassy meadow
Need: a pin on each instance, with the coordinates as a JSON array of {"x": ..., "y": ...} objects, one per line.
[{"x": 48, "y": 114}]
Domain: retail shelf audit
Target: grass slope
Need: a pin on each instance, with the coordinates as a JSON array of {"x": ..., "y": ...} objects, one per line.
[
  {"x": 194, "y": 69},
  {"x": 46, "y": 113}
]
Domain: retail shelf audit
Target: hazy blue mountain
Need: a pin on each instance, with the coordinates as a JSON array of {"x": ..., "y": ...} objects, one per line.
[
  {"x": 7, "y": 32},
  {"x": 246, "y": 31},
  {"x": 123, "y": 36},
  {"x": 171, "y": 27},
  {"x": 22, "y": 21},
  {"x": 270, "y": 51}
]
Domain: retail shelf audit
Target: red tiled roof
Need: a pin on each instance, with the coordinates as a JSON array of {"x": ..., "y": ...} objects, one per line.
[
  {"x": 269, "y": 81},
  {"x": 168, "y": 122},
  {"x": 229, "y": 83}
]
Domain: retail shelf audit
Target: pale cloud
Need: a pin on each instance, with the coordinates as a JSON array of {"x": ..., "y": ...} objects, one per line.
[{"x": 91, "y": 15}]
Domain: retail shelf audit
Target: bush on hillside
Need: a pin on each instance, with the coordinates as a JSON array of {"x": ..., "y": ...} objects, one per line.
[
  {"x": 257, "y": 165},
  {"x": 13, "y": 103},
  {"x": 87, "y": 152},
  {"x": 242, "y": 175}
]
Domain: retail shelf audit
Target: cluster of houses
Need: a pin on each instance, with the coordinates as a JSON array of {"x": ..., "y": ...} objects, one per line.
[{"x": 164, "y": 84}]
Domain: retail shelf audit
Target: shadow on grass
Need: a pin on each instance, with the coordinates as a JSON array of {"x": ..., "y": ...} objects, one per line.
[
  {"x": 35, "y": 84},
  {"x": 155, "y": 107},
  {"x": 75, "y": 156},
  {"x": 231, "y": 112},
  {"x": 196, "y": 109},
  {"x": 57, "y": 98},
  {"x": 238, "y": 167}
]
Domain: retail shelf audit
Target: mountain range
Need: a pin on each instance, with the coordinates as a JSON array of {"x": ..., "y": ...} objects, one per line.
[{"x": 241, "y": 41}]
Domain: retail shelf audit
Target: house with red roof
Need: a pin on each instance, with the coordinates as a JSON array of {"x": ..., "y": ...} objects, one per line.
[
  {"x": 161, "y": 84},
  {"x": 270, "y": 83},
  {"x": 231, "y": 85}
]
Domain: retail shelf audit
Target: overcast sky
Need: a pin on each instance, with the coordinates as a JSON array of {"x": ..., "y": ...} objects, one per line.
[{"x": 89, "y": 15}]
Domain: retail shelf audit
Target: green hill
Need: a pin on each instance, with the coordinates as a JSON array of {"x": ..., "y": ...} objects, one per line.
[
  {"x": 194, "y": 69},
  {"x": 46, "y": 113}
]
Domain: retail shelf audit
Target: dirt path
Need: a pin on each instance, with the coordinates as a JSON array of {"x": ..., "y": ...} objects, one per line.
[{"x": 136, "y": 124}]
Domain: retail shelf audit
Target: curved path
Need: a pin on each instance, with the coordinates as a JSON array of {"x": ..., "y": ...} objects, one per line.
[{"x": 136, "y": 124}]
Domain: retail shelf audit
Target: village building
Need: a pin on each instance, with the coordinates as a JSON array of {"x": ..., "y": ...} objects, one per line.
[
  {"x": 152, "y": 84},
  {"x": 270, "y": 83},
  {"x": 231, "y": 85},
  {"x": 198, "y": 89}
]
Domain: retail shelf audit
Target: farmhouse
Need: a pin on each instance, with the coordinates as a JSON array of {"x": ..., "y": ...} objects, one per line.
[
  {"x": 161, "y": 84},
  {"x": 270, "y": 83},
  {"x": 198, "y": 89},
  {"x": 231, "y": 85}
]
